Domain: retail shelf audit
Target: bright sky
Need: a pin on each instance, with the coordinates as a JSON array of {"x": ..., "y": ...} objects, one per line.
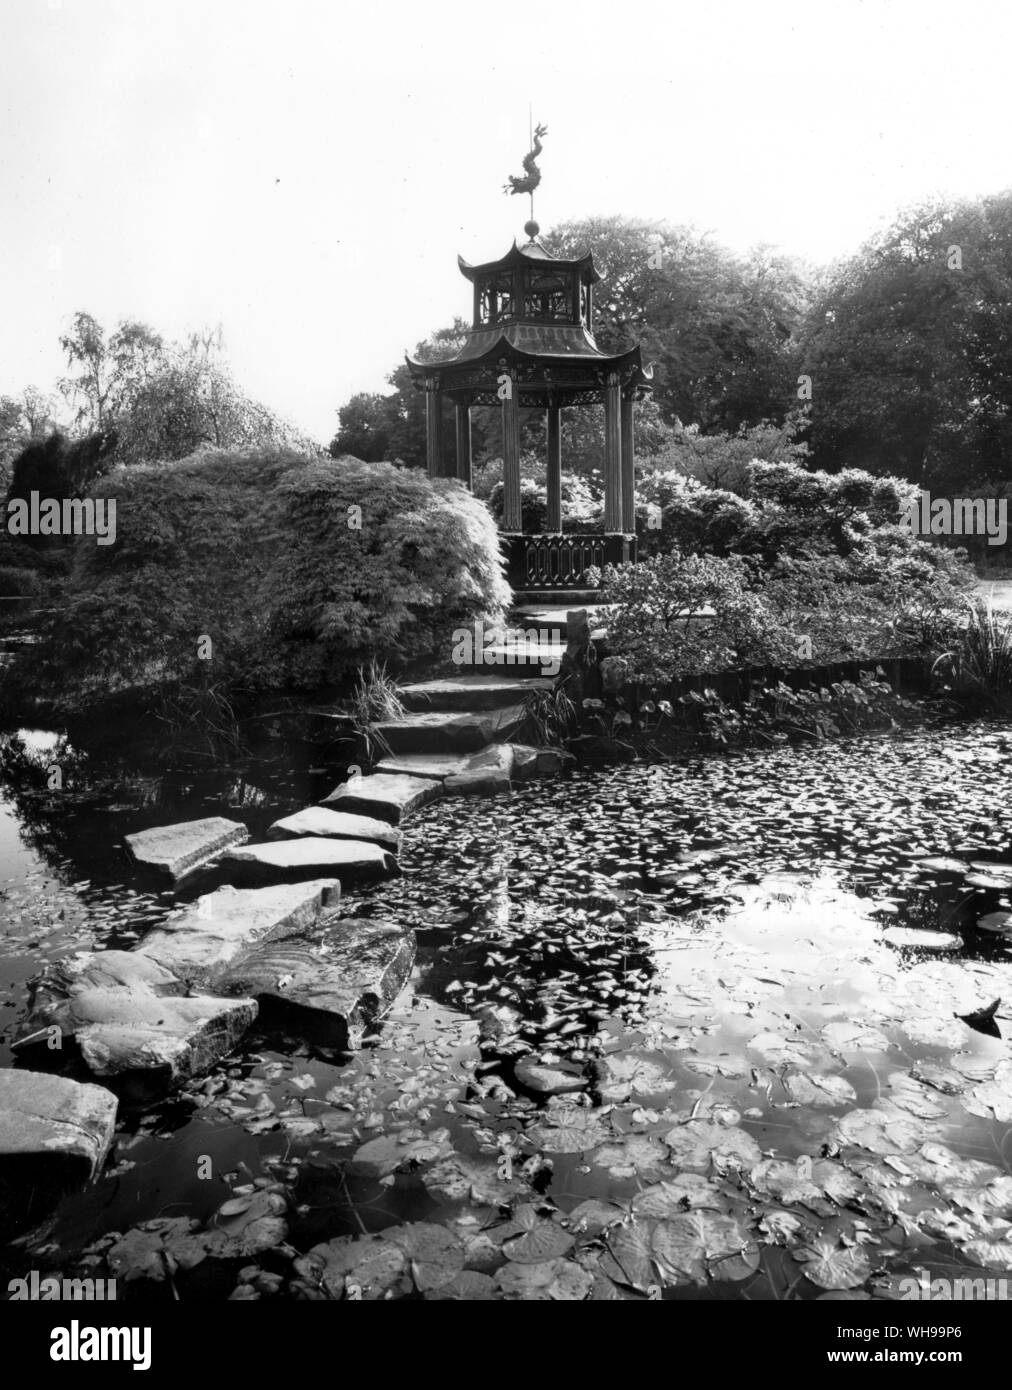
[{"x": 305, "y": 171}]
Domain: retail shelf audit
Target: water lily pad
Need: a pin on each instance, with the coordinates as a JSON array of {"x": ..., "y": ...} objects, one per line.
[
  {"x": 461, "y": 1179},
  {"x": 702, "y": 1246},
  {"x": 634, "y": 1156},
  {"x": 689, "y": 1191},
  {"x": 569, "y": 1130},
  {"x": 378, "y": 1157},
  {"x": 629, "y": 1257},
  {"x": 833, "y": 1266},
  {"x": 880, "y": 1131},
  {"x": 699, "y": 1145},
  {"x": 467, "y": 1287},
  {"x": 628, "y": 1075},
  {"x": 557, "y": 1280},
  {"x": 435, "y": 1254},
  {"x": 813, "y": 1089}
]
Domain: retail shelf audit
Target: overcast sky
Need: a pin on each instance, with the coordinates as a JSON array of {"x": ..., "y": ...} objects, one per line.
[{"x": 304, "y": 172}]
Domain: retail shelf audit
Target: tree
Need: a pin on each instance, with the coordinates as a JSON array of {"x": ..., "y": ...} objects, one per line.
[
  {"x": 909, "y": 347},
  {"x": 111, "y": 370}
]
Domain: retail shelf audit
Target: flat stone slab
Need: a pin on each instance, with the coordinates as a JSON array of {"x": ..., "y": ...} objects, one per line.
[
  {"x": 42, "y": 1116},
  {"x": 208, "y": 934},
  {"x": 312, "y": 854},
  {"x": 342, "y": 983},
  {"x": 469, "y": 693},
  {"x": 128, "y": 1013},
  {"x": 432, "y": 765},
  {"x": 449, "y": 731},
  {"x": 339, "y": 825},
  {"x": 487, "y": 772},
  {"x": 179, "y": 849},
  {"x": 547, "y": 1080},
  {"x": 385, "y": 795}
]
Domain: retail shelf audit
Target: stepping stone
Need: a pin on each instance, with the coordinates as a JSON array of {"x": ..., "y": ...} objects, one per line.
[
  {"x": 179, "y": 849},
  {"x": 44, "y": 1117},
  {"x": 339, "y": 986},
  {"x": 312, "y": 854},
  {"x": 469, "y": 692},
  {"x": 433, "y": 765},
  {"x": 127, "y": 1013},
  {"x": 447, "y": 731},
  {"x": 339, "y": 825},
  {"x": 487, "y": 772},
  {"x": 204, "y": 936},
  {"x": 387, "y": 796}
]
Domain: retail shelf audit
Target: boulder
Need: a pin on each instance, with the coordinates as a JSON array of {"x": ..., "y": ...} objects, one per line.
[
  {"x": 44, "y": 1116},
  {"x": 387, "y": 796},
  {"x": 128, "y": 1013},
  {"x": 196, "y": 940},
  {"x": 525, "y": 761},
  {"x": 318, "y": 821},
  {"x": 312, "y": 854},
  {"x": 339, "y": 984},
  {"x": 179, "y": 849}
]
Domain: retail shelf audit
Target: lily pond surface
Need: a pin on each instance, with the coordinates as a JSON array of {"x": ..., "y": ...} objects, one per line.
[{"x": 720, "y": 1028}]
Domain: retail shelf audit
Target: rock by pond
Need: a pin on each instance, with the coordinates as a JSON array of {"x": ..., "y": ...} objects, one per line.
[
  {"x": 177, "y": 850},
  {"x": 319, "y": 821},
  {"x": 387, "y": 796},
  {"x": 310, "y": 855},
  {"x": 45, "y": 1117}
]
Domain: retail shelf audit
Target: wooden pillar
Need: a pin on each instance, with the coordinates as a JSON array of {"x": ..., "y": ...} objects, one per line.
[
  {"x": 628, "y": 466},
  {"x": 613, "y": 522},
  {"x": 463, "y": 414},
  {"x": 512, "y": 517},
  {"x": 554, "y": 469},
  {"x": 433, "y": 432}
]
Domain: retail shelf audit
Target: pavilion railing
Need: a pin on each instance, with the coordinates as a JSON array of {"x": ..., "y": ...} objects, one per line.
[{"x": 561, "y": 561}]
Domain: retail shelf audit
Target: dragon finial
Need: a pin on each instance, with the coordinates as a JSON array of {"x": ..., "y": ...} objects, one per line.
[{"x": 532, "y": 175}]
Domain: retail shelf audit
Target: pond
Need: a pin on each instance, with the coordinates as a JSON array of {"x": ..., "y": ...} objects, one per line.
[{"x": 759, "y": 986}]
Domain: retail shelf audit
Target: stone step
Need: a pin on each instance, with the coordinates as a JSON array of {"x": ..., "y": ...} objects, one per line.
[
  {"x": 178, "y": 850},
  {"x": 128, "y": 1013},
  {"x": 449, "y": 731},
  {"x": 335, "y": 986},
  {"x": 522, "y": 660},
  {"x": 195, "y": 941},
  {"x": 310, "y": 857},
  {"x": 48, "y": 1119},
  {"x": 338, "y": 825},
  {"x": 432, "y": 766},
  {"x": 385, "y": 795},
  {"x": 552, "y": 619},
  {"x": 469, "y": 693}
]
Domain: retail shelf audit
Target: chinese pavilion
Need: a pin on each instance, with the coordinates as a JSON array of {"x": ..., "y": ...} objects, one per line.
[{"x": 531, "y": 346}]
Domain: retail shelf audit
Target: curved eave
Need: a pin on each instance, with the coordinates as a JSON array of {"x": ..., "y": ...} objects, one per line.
[
  {"x": 502, "y": 347},
  {"x": 518, "y": 255}
]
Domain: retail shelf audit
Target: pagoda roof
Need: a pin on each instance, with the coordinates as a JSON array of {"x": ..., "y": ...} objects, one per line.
[
  {"x": 549, "y": 343},
  {"x": 533, "y": 250}
]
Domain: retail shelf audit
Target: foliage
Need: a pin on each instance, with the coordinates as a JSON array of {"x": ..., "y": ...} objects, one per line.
[
  {"x": 110, "y": 368},
  {"x": 580, "y": 507},
  {"x": 677, "y": 614},
  {"x": 259, "y": 552},
  {"x": 551, "y": 714},
  {"x": 776, "y": 713},
  {"x": 375, "y": 697},
  {"x": 908, "y": 349},
  {"x": 980, "y": 661}
]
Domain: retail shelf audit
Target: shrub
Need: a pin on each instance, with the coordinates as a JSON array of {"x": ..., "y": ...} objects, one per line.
[
  {"x": 580, "y": 508},
  {"x": 685, "y": 614},
  {"x": 980, "y": 660},
  {"x": 260, "y": 553}
]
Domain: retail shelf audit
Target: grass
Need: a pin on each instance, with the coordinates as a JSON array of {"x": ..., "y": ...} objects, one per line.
[
  {"x": 375, "y": 698},
  {"x": 981, "y": 661}
]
